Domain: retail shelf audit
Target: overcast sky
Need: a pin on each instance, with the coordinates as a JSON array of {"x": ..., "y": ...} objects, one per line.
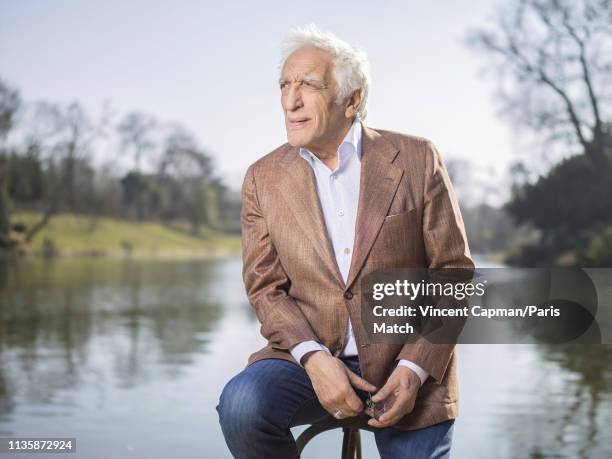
[{"x": 213, "y": 66}]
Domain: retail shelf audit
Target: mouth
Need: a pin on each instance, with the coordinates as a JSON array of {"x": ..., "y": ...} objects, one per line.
[{"x": 296, "y": 123}]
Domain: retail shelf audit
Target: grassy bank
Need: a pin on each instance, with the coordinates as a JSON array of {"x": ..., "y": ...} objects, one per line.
[{"x": 79, "y": 235}]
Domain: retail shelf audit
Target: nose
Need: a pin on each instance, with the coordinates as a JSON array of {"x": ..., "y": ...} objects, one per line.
[{"x": 293, "y": 98}]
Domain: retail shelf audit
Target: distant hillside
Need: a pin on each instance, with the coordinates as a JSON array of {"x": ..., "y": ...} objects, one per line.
[{"x": 79, "y": 235}]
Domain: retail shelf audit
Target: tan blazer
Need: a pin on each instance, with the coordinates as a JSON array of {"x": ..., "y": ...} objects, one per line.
[{"x": 407, "y": 217}]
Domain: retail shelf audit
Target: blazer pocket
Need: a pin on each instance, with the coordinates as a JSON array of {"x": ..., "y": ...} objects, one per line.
[
  {"x": 397, "y": 240},
  {"x": 398, "y": 215}
]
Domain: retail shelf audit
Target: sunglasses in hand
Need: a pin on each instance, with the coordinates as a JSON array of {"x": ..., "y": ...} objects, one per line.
[{"x": 377, "y": 408}]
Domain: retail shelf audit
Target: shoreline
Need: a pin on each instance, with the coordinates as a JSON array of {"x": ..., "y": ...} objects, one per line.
[
  {"x": 179, "y": 254},
  {"x": 69, "y": 235}
]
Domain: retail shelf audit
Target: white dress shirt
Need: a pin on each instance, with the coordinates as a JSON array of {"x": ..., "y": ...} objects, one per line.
[{"x": 338, "y": 192}]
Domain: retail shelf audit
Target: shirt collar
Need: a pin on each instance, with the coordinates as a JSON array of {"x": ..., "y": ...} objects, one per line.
[{"x": 349, "y": 145}]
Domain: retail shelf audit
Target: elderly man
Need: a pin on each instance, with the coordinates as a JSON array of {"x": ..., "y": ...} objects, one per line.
[{"x": 336, "y": 202}]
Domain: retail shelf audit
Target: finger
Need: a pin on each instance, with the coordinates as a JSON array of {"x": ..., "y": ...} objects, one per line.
[
  {"x": 382, "y": 422},
  {"x": 360, "y": 383},
  {"x": 333, "y": 408},
  {"x": 383, "y": 393},
  {"x": 353, "y": 403},
  {"x": 397, "y": 410},
  {"x": 345, "y": 412},
  {"x": 374, "y": 423}
]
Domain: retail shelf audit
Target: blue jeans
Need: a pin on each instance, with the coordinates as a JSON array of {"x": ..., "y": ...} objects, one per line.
[{"x": 259, "y": 405}]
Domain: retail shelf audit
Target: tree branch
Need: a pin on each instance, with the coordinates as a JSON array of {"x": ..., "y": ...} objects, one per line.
[{"x": 586, "y": 76}]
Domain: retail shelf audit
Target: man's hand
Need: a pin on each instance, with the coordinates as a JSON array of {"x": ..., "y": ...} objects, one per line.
[
  {"x": 399, "y": 394},
  {"x": 333, "y": 383}
]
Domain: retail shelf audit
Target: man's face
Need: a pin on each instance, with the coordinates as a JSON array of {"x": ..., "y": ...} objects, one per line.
[{"x": 308, "y": 92}]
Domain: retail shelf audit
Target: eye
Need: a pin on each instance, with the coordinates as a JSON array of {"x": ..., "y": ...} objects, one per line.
[{"x": 313, "y": 84}]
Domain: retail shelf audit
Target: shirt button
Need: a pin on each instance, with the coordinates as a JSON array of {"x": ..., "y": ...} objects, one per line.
[
  {"x": 347, "y": 250},
  {"x": 340, "y": 213},
  {"x": 334, "y": 176},
  {"x": 348, "y": 295}
]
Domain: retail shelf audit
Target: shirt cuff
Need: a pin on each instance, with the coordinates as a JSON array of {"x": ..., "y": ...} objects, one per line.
[
  {"x": 422, "y": 374},
  {"x": 301, "y": 349}
]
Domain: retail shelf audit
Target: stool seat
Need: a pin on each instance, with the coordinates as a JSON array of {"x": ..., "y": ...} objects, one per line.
[{"x": 351, "y": 439}]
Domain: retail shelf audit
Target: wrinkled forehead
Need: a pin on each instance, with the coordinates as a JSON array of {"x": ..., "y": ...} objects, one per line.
[{"x": 308, "y": 62}]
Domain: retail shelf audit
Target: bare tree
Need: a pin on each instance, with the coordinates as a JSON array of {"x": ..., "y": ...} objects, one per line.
[
  {"x": 65, "y": 134},
  {"x": 183, "y": 157},
  {"x": 9, "y": 105},
  {"x": 191, "y": 167},
  {"x": 554, "y": 59},
  {"x": 135, "y": 132}
]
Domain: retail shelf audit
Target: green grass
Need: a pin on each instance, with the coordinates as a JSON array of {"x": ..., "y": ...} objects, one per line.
[{"x": 74, "y": 234}]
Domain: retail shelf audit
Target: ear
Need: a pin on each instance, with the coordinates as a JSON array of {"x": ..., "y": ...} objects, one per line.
[{"x": 352, "y": 102}]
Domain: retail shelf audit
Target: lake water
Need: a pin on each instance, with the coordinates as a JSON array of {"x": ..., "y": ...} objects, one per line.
[{"x": 129, "y": 357}]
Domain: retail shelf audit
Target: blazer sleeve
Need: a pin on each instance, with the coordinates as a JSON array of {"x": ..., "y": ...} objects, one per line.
[
  {"x": 446, "y": 246},
  {"x": 282, "y": 322}
]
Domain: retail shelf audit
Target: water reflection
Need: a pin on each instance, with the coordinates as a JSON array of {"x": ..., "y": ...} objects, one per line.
[
  {"x": 582, "y": 396},
  {"x": 59, "y": 319},
  {"x": 130, "y": 357}
]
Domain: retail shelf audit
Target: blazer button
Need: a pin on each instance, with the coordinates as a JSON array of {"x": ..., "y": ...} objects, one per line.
[{"x": 348, "y": 295}]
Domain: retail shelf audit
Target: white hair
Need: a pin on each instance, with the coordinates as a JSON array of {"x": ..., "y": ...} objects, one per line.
[{"x": 351, "y": 67}]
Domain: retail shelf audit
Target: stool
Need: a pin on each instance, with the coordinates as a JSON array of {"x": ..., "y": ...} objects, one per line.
[{"x": 351, "y": 439}]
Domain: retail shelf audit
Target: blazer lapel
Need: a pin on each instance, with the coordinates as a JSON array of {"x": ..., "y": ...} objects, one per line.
[
  {"x": 378, "y": 184},
  {"x": 298, "y": 189}
]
